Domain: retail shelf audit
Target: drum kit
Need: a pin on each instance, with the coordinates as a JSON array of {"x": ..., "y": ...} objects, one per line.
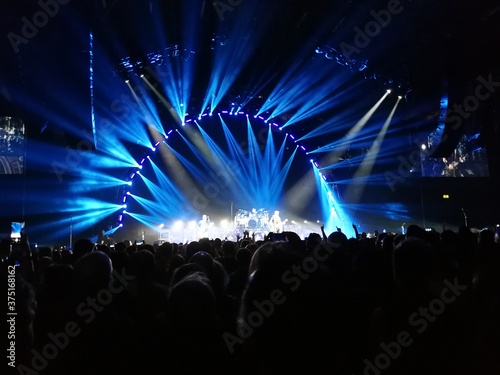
[{"x": 252, "y": 220}]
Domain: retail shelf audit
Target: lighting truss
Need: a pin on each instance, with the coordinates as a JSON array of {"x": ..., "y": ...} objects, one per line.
[{"x": 130, "y": 64}]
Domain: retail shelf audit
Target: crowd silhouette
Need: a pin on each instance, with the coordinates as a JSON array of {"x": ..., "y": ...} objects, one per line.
[{"x": 415, "y": 303}]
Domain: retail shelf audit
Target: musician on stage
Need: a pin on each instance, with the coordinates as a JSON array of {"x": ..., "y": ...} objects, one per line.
[
  {"x": 276, "y": 223},
  {"x": 203, "y": 226}
]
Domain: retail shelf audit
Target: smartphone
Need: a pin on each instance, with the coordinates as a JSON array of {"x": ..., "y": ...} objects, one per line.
[
  {"x": 279, "y": 237},
  {"x": 139, "y": 242},
  {"x": 16, "y": 230}
]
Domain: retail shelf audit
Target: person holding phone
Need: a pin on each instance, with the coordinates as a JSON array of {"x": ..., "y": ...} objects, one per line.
[{"x": 16, "y": 229}]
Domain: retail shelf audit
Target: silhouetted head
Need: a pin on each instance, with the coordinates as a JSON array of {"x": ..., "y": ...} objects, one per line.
[
  {"x": 312, "y": 241},
  {"x": 228, "y": 249},
  {"x": 414, "y": 230},
  {"x": 243, "y": 257},
  {"x": 165, "y": 251},
  {"x": 92, "y": 272},
  {"x": 412, "y": 264},
  {"x": 191, "y": 301},
  {"x": 337, "y": 238},
  {"x": 204, "y": 260},
  {"x": 141, "y": 264},
  {"x": 81, "y": 247},
  {"x": 192, "y": 248}
]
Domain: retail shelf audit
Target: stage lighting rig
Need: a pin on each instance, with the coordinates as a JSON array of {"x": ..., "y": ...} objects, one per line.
[
  {"x": 130, "y": 64},
  {"x": 400, "y": 86}
]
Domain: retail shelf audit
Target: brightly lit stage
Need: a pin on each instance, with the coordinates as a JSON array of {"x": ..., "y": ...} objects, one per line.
[
  {"x": 234, "y": 167},
  {"x": 255, "y": 224}
]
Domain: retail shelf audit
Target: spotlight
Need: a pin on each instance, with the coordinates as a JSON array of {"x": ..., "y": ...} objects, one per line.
[
  {"x": 178, "y": 225},
  {"x": 400, "y": 97},
  {"x": 142, "y": 76},
  {"x": 124, "y": 206},
  {"x": 388, "y": 91},
  {"x": 120, "y": 226},
  {"x": 424, "y": 147},
  {"x": 129, "y": 183},
  {"x": 128, "y": 192},
  {"x": 127, "y": 80}
]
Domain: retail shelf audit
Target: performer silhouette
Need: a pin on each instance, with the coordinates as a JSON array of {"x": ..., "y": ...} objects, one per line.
[
  {"x": 203, "y": 226},
  {"x": 276, "y": 223}
]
